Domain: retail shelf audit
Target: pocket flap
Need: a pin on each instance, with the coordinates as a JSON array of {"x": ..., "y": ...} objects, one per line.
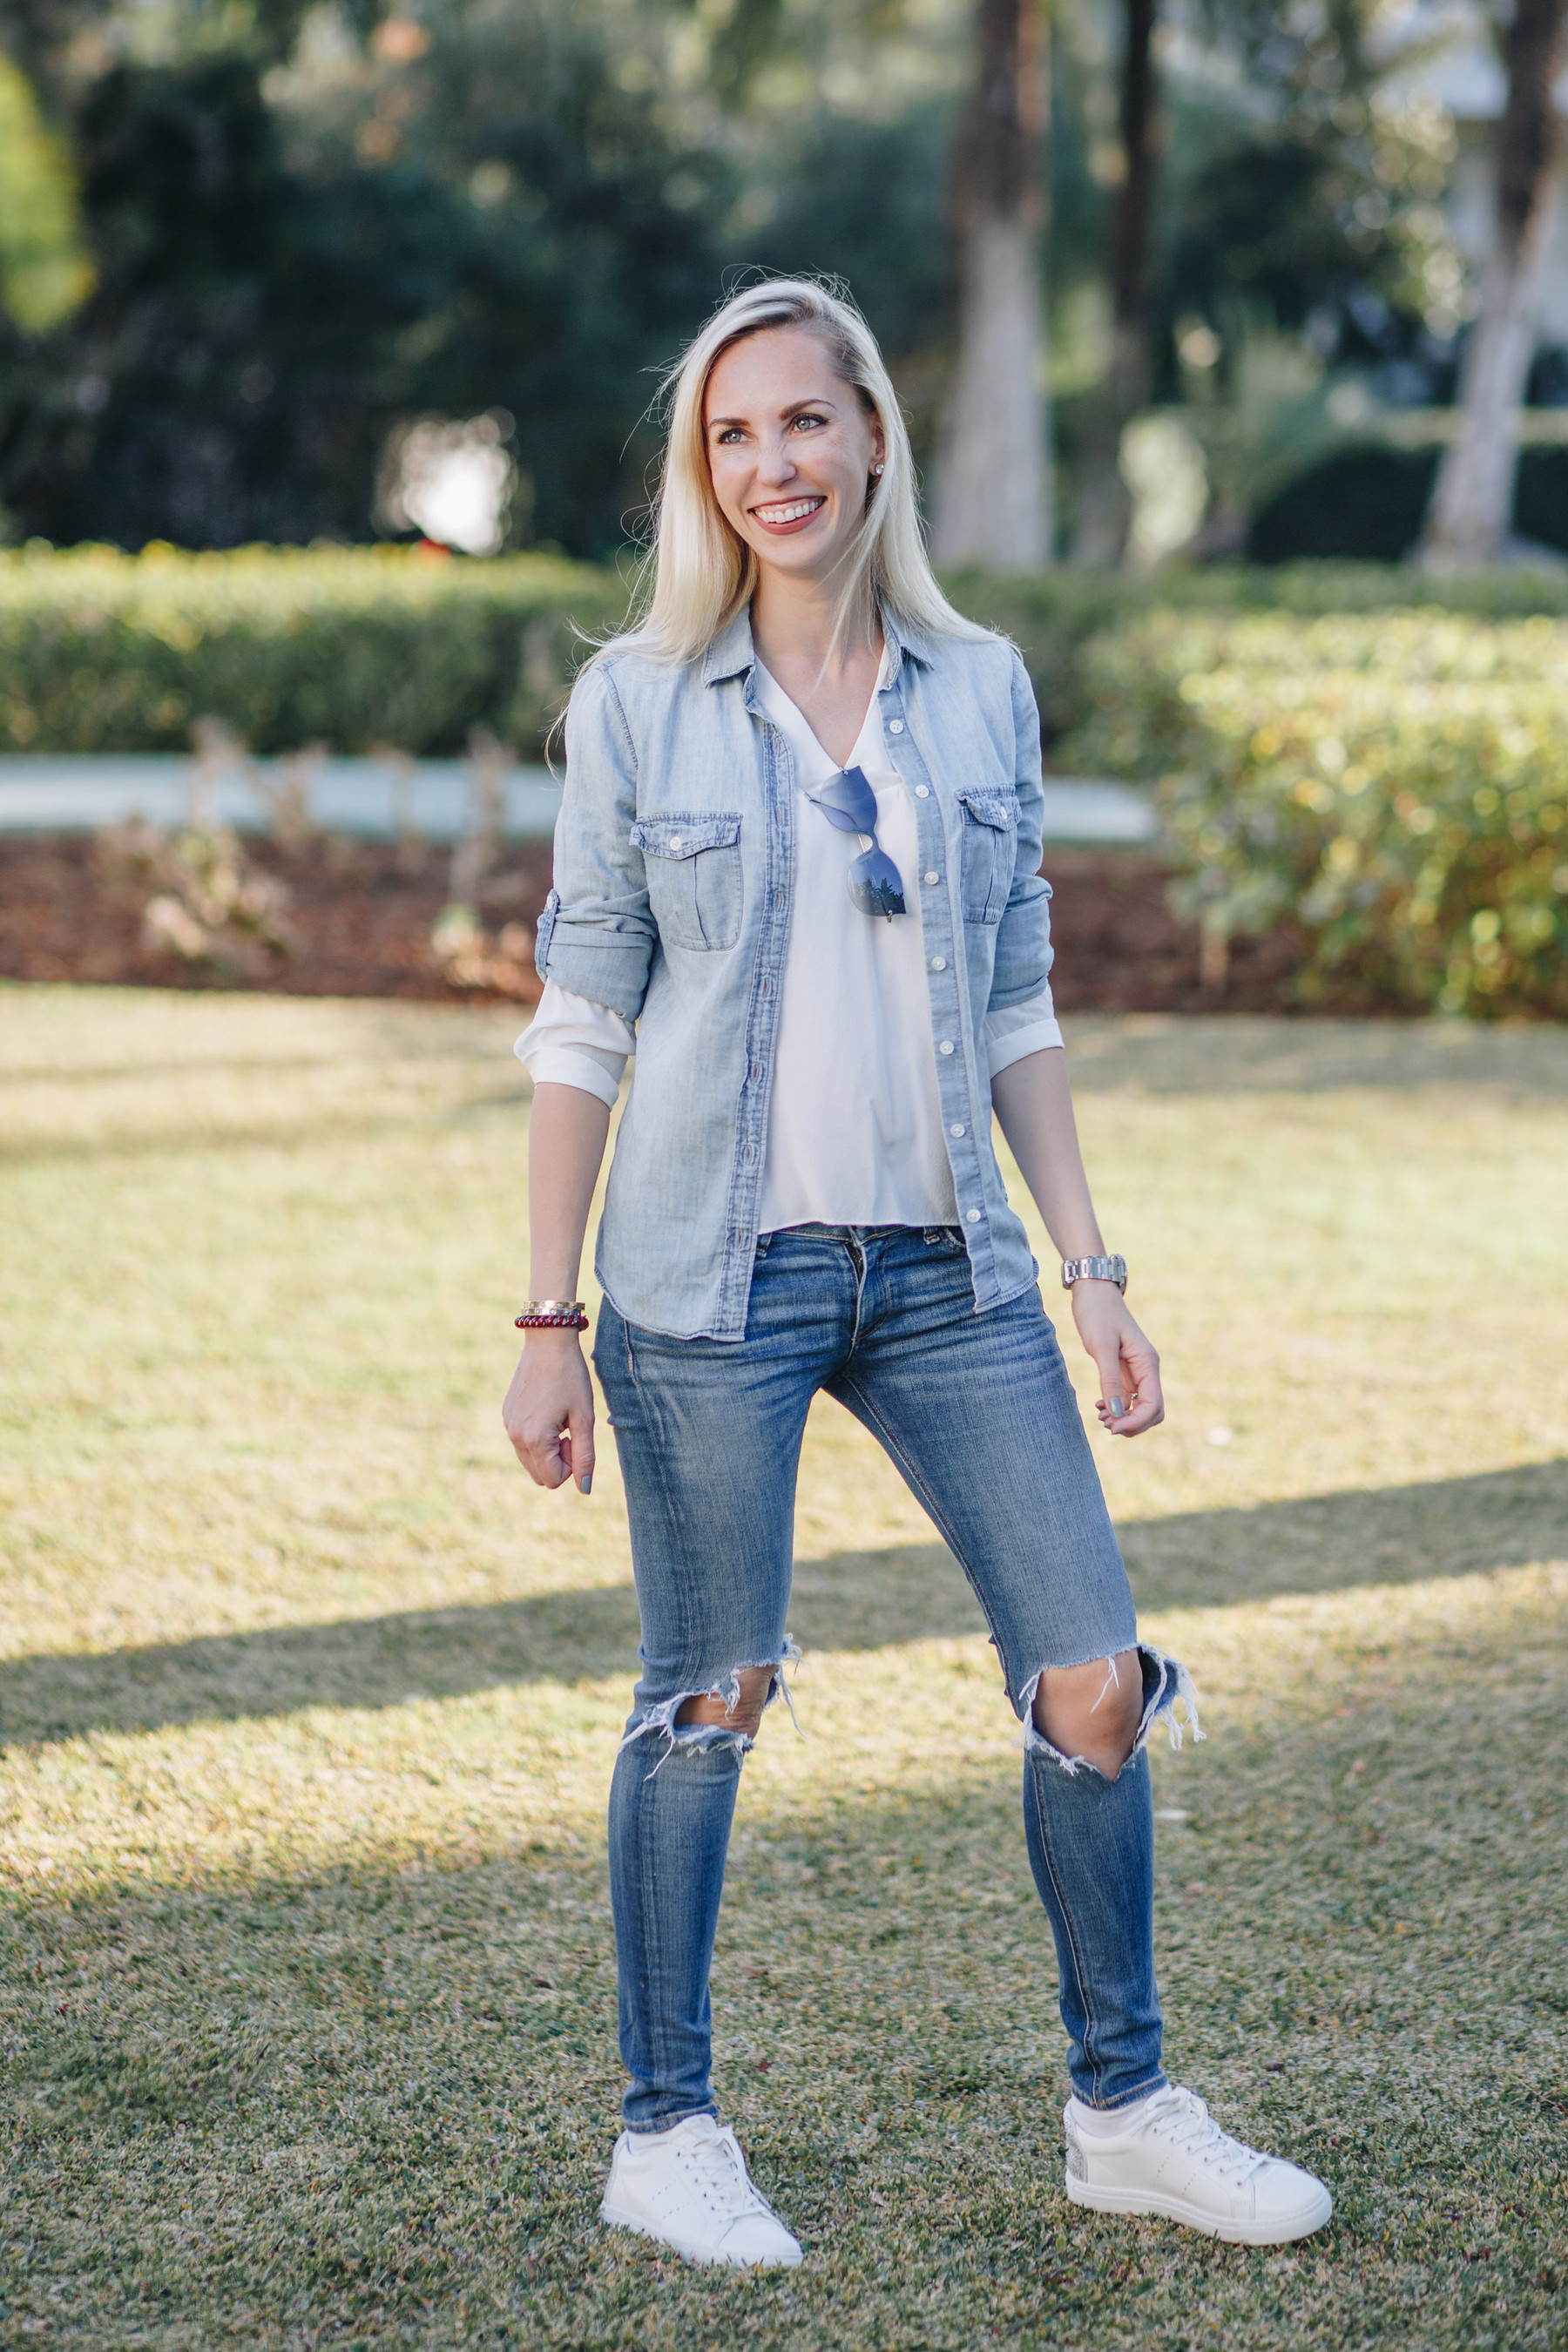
[
  {"x": 683, "y": 836},
  {"x": 995, "y": 809}
]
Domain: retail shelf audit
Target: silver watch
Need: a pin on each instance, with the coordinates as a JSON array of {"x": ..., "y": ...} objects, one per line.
[{"x": 1095, "y": 1269}]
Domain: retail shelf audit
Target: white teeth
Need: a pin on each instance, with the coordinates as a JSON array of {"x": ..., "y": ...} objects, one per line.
[{"x": 788, "y": 514}]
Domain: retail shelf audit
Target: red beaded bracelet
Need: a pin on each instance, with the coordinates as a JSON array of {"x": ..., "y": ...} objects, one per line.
[{"x": 553, "y": 1315}]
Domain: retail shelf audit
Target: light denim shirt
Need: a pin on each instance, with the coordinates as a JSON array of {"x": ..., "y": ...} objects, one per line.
[{"x": 675, "y": 865}]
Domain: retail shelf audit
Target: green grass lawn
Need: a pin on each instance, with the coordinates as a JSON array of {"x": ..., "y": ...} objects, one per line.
[{"x": 309, "y": 1700}]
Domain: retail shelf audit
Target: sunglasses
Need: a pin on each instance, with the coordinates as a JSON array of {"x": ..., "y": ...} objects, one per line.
[{"x": 848, "y": 803}]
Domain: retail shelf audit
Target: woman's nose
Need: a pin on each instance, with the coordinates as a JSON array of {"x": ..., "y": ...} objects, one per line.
[{"x": 775, "y": 465}]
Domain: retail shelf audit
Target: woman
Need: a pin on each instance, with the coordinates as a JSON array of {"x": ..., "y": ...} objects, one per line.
[{"x": 795, "y": 869}]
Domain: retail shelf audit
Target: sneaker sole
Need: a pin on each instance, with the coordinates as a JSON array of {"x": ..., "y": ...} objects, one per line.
[
  {"x": 1132, "y": 2201},
  {"x": 613, "y": 2219}
]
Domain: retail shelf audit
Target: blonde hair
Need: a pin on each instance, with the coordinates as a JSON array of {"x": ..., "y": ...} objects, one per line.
[{"x": 700, "y": 573}]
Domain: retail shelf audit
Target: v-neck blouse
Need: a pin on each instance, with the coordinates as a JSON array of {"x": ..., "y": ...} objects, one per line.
[{"x": 854, "y": 1133}]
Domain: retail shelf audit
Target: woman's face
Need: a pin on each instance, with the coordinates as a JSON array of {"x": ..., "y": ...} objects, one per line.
[{"x": 791, "y": 447}]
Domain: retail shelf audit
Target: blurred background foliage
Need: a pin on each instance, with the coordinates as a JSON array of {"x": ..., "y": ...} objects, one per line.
[
  {"x": 45, "y": 272},
  {"x": 307, "y": 228}
]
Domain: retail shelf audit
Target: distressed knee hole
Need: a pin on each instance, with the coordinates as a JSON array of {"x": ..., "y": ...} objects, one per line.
[
  {"x": 1091, "y": 1710},
  {"x": 738, "y": 1709},
  {"x": 1152, "y": 1692}
]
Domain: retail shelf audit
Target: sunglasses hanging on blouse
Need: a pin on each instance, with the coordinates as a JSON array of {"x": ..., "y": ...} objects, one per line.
[{"x": 848, "y": 802}]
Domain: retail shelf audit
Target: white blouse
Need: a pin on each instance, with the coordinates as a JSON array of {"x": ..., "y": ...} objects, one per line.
[{"x": 855, "y": 1124}]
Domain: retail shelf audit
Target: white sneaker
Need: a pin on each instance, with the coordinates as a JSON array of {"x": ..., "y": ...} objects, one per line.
[
  {"x": 688, "y": 2188},
  {"x": 1174, "y": 2159}
]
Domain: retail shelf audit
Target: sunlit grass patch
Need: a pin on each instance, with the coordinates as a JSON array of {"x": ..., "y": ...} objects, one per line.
[{"x": 309, "y": 1703}]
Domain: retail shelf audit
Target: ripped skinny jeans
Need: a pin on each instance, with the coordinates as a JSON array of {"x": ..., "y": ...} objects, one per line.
[{"x": 978, "y": 1414}]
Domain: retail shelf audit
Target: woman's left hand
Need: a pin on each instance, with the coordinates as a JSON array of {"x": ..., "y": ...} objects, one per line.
[{"x": 1131, "y": 1400}]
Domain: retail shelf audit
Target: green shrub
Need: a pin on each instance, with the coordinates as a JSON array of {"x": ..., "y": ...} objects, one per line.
[
  {"x": 1397, "y": 783},
  {"x": 1053, "y": 616},
  {"x": 359, "y": 646},
  {"x": 349, "y": 646},
  {"x": 1369, "y": 500}
]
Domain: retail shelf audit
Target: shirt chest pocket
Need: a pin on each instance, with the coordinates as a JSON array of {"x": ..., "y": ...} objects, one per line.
[
  {"x": 990, "y": 849},
  {"x": 693, "y": 869}
]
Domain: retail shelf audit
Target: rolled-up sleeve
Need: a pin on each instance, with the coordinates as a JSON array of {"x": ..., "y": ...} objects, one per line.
[
  {"x": 1024, "y": 950},
  {"x": 572, "y": 1042},
  {"x": 1023, "y": 1029},
  {"x": 597, "y": 935}
]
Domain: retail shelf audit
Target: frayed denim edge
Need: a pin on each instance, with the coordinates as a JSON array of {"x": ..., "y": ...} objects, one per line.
[
  {"x": 1171, "y": 1682},
  {"x": 696, "y": 1739}
]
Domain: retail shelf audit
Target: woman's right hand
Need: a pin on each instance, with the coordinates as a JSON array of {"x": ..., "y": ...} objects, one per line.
[{"x": 549, "y": 1410}]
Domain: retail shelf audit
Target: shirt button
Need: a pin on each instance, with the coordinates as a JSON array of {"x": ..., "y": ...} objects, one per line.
[
  {"x": 975, "y": 1216},
  {"x": 931, "y": 878},
  {"x": 675, "y": 846},
  {"x": 923, "y": 791},
  {"x": 956, "y": 1129},
  {"x": 939, "y": 963},
  {"x": 895, "y": 726},
  {"x": 945, "y": 1046}
]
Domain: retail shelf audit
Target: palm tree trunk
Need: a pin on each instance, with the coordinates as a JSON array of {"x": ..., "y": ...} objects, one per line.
[
  {"x": 1472, "y": 499},
  {"x": 992, "y": 503},
  {"x": 1105, "y": 503}
]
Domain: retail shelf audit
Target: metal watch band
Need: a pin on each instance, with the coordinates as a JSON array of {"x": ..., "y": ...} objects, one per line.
[{"x": 1095, "y": 1269}]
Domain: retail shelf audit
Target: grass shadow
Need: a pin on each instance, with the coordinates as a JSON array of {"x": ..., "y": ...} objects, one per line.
[
  {"x": 375, "y": 2104},
  {"x": 1322, "y": 1543},
  {"x": 845, "y": 1600},
  {"x": 1223, "y": 1054}
]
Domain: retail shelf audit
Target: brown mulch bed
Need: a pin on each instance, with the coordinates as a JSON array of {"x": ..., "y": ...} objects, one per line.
[{"x": 361, "y": 916}]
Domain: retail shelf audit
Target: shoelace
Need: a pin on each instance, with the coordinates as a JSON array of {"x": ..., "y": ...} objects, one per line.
[
  {"x": 1182, "y": 2118},
  {"x": 716, "y": 2169}
]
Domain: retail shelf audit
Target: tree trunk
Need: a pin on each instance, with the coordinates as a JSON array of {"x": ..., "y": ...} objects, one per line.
[
  {"x": 992, "y": 503},
  {"x": 1105, "y": 503},
  {"x": 1472, "y": 499}
]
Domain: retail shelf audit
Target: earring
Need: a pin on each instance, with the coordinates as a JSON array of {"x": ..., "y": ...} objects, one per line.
[{"x": 877, "y": 467}]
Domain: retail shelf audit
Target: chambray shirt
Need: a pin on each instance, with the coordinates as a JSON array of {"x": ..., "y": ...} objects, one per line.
[{"x": 675, "y": 868}]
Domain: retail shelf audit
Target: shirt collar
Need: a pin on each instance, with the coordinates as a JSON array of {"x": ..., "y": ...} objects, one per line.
[
  {"x": 731, "y": 650},
  {"x": 905, "y": 643}
]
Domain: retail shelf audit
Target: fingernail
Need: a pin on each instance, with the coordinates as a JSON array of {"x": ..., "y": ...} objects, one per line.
[
  {"x": 1116, "y": 1407},
  {"x": 586, "y": 1483}
]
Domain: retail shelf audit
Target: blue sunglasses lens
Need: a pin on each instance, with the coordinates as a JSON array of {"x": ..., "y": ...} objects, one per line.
[
  {"x": 848, "y": 802},
  {"x": 876, "y": 885}
]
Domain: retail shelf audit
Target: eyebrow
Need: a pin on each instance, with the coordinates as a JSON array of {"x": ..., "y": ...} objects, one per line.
[{"x": 817, "y": 400}]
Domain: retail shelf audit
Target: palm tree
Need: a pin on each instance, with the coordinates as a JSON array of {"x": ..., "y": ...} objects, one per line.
[
  {"x": 1105, "y": 503},
  {"x": 1472, "y": 499},
  {"x": 993, "y": 502}
]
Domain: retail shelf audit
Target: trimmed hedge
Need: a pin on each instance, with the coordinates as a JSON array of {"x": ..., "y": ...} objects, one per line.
[
  {"x": 348, "y": 646},
  {"x": 359, "y": 647},
  {"x": 1367, "y": 503},
  {"x": 1396, "y": 782},
  {"x": 1053, "y": 616}
]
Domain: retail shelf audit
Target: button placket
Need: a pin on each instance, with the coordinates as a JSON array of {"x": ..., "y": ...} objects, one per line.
[
  {"x": 953, "y": 1085},
  {"x": 763, "y": 1020}
]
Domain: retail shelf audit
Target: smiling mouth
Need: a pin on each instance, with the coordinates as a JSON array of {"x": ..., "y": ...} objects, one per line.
[{"x": 792, "y": 510}]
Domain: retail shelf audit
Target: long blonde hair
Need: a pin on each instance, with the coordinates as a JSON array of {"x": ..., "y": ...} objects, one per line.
[{"x": 699, "y": 572}]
